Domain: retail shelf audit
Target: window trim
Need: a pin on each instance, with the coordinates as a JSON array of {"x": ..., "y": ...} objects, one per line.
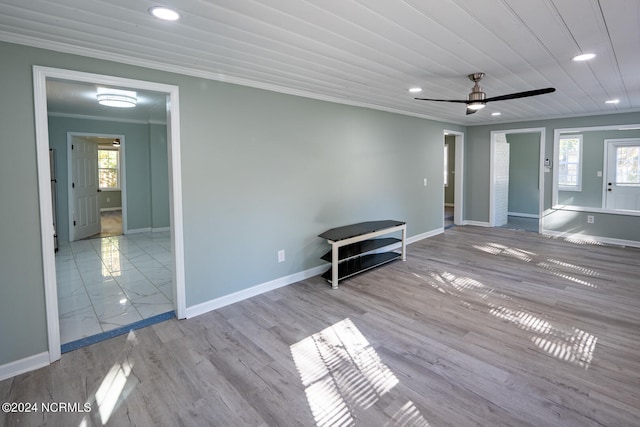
[
  {"x": 578, "y": 186},
  {"x": 118, "y": 169}
]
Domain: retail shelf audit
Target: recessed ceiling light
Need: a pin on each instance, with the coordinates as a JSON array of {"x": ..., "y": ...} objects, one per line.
[
  {"x": 612, "y": 101},
  {"x": 415, "y": 89},
  {"x": 497, "y": 113},
  {"x": 584, "y": 57},
  {"x": 164, "y": 13}
]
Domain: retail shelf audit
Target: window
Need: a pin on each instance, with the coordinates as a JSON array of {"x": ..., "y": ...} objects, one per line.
[
  {"x": 109, "y": 169},
  {"x": 446, "y": 165},
  {"x": 570, "y": 163},
  {"x": 628, "y": 165}
]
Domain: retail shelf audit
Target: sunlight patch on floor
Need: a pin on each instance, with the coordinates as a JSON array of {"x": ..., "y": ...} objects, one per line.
[
  {"x": 498, "y": 249},
  {"x": 342, "y": 373},
  {"x": 409, "y": 415},
  {"x": 574, "y": 345},
  {"x": 116, "y": 385},
  {"x": 569, "y": 344},
  {"x": 556, "y": 267}
]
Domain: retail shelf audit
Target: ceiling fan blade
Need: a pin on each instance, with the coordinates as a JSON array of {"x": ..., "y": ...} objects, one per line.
[
  {"x": 470, "y": 111},
  {"x": 460, "y": 101},
  {"x": 521, "y": 94}
]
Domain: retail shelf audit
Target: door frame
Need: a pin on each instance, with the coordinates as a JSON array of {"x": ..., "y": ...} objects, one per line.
[
  {"x": 458, "y": 176},
  {"x": 605, "y": 163},
  {"x": 122, "y": 177},
  {"x": 40, "y": 76},
  {"x": 493, "y": 160}
]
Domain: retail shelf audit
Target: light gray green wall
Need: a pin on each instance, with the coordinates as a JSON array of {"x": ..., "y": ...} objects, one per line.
[
  {"x": 23, "y": 330},
  {"x": 477, "y": 175},
  {"x": 592, "y": 162},
  {"x": 159, "y": 169},
  {"x": 110, "y": 199},
  {"x": 145, "y": 159},
  {"x": 261, "y": 171},
  {"x": 449, "y": 190},
  {"x": 278, "y": 170},
  {"x": 524, "y": 168}
]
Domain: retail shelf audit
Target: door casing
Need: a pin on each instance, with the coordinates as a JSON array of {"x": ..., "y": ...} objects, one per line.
[
  {"x": 631, "y": 194},
  {"x": 40, "y": 76},
  {"x": 493, "y": 160}
]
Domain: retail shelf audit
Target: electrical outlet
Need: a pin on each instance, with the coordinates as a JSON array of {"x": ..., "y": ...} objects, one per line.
[
  {"x": 425, "y": 182},
  {"x": 590, "y": 219},
  {"x": 281, "y": 255}
]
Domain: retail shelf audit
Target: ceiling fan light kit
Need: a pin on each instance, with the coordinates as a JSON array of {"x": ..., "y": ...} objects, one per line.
[{"x": 477, "y": 99}]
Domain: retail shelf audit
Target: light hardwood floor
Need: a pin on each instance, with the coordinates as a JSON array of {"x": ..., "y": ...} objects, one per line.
[{"x": 479, "y": 327}]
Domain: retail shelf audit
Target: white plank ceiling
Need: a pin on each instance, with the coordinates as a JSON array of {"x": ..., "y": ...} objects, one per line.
[{"x": 366, "y": 52}]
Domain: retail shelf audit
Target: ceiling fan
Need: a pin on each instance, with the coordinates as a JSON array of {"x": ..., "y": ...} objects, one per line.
[{"x": 477, "y": 98}]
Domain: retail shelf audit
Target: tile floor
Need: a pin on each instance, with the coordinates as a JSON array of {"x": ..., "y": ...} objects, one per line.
[
  {"x": 522, "y": 223},
  {"x": 448, "y": 217},
  {"x": 105, "y": 283}
]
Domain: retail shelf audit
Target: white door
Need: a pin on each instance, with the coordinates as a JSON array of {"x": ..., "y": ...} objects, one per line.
[
  {"x": 622, "y": 185},
  {"x": 84, "y": 188},
  {"x": 500, "y": 180}
]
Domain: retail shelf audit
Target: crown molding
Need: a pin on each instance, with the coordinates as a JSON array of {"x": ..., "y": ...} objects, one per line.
[
  {"x": 105, "y": 119},
  {"x": 192, "y": 72}
]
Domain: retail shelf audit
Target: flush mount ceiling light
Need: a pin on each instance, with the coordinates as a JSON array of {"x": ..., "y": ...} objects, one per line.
[
  {"x": 415, "y": 89},
  {"x": 116, "y": 98},
  {"x": 612, "y": 101},
  {"x": 497, "y": 113},
  {"x": 584, "y": 57},
  {"x": 164, "y": 13}
]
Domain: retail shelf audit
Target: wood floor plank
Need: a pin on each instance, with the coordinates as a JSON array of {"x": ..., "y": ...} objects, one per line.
[{"x": 477, "y": 327}]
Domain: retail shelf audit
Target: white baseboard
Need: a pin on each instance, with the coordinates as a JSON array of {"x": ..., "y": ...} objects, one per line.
[
  {"x": 591, "y": 239},
  {"x": 110, "y": 209},
  {"x": 253, "y": 291},
  {"x": 476, "y": 223},
  {"x": 139, "y": 230},
  {"x": 31, "y": 363},
  {"x": 148, "y": 230},
  {"x": 424, "y": 235},
  {"x": 523, "y": 215}
]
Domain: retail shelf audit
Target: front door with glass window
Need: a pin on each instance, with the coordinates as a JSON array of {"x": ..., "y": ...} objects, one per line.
[{"x": 622, "y": 184}]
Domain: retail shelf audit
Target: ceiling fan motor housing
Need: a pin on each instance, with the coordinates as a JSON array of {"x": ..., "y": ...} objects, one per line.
[
  {"x": 476, "y": 92},
  {"x": 476, "y": 95}
]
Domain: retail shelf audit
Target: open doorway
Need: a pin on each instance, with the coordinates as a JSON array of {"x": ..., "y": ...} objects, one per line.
[
  {"x": 172, "y": 166},
  {"x": 453, "y": 161},
  {"x": 517, "y": 179},
  {"x": 449, "y": 181},
  {"x": 96, "y": 185}
]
